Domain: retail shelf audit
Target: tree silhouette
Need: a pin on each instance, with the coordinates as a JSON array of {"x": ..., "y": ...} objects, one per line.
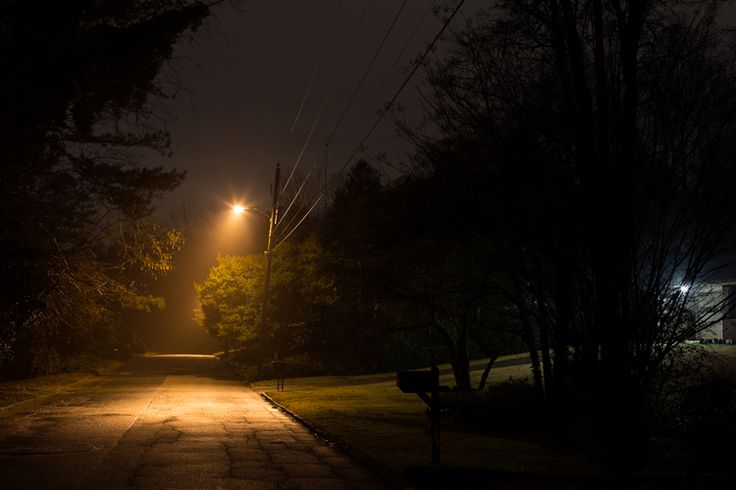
[
  {"x": 607, "y": 132},
  {"x": 81, "y": 96}
]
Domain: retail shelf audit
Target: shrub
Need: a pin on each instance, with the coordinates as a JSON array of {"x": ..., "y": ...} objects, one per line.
[
  {"x": 303, "y": 365},
  {"x": 510, "y": 406},
  {"x": 708, "y": 417}
]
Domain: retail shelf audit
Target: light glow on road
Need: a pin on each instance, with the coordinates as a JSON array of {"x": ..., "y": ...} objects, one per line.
[{"x": 197, "y": 356}]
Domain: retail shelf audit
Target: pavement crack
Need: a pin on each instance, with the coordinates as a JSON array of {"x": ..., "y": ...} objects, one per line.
[{"x": 122, "y": 437}]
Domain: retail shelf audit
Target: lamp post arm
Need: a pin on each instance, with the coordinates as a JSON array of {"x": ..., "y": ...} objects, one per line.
[{"x": 259, "y": 211}]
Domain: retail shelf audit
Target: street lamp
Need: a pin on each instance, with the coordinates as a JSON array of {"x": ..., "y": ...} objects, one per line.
[
  {"x": 239, "y": 209},
  {"x": 272, "y": 220}
]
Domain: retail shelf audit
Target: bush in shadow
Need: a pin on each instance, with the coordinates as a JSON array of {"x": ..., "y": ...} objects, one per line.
[
  {"x": 708, "y": 418},
  {"x": 247, "y": 363},
  {"x": 299, "y": 365},
  {"x": 508, "y": 407},
  {"x": 694, "y": 424}
]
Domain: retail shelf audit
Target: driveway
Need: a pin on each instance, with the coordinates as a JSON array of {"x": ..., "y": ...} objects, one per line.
[{"x": 166, "y": 422}]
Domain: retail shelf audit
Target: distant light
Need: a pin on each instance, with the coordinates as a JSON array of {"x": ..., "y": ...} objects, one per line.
[
  {"x": 238, "y": 209},
  {"x": 684, "y": 288}
]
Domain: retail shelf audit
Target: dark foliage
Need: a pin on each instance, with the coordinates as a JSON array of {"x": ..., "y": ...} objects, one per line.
[
  {"x": 604, "y": 133},
  {"x": 708, "y": 418},
  {"x": 79, "y": 92}
]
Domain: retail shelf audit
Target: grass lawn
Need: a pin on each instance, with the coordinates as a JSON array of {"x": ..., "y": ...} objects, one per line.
[
  {"x": 723, "y": 350},
  {"x": 375, "y": 421},
  {"x": 13, "y": 392},
  {"x": 370, "y": 416}
]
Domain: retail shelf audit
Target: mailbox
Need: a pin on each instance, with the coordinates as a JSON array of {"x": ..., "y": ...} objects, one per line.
[
  {"x": 418, "y": 381},
  {"x": 421, "y": 383}
]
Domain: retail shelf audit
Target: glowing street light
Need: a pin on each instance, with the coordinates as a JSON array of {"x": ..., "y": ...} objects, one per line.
[{"x": 239, "y": 209}]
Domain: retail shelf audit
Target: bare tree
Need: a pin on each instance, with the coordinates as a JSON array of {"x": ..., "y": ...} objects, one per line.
[{"x": 609, "y": 132}]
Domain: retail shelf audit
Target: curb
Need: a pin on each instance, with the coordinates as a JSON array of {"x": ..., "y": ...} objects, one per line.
[{"x": 389, "y": 477}]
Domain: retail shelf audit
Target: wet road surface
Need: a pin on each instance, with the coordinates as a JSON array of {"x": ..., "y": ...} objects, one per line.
[{"x": 166, "y": 422}]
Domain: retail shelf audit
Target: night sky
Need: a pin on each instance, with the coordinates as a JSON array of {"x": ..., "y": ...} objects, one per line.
[{"x": 245, "y": 76}]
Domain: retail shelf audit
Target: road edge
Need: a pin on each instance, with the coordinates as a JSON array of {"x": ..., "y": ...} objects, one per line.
[
  {"x": 391, "y": 478},
  {"x": 62, "y": 389},
  {"x": 86, "y": 376}
]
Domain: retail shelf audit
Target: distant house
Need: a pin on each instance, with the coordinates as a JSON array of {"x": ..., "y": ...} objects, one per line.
[{"x": 717, "y": 299}]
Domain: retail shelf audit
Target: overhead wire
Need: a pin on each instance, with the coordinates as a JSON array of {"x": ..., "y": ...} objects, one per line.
[
  {"x": 299, "y": 191},
  {"x": 299, "y": 223},
  {"x": 367, "y": 71},
  {"x": 306, "y": 142},
  {"x": 391, "y": 102},
  {"x": 327, "y": 97},
  {"x": 354, "y": 94},
  {"x": 350, "y": 45},
  {"x": 305, "y": 97},
  {"x": 388, "y": 106},
  {"x": 309, "y": 85},
  {"x": 385, "y": 79},
  {"x": 295, "y": 216}
]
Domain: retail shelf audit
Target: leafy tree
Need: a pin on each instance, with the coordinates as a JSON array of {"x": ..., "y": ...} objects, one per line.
[
  {"x": 409, "y": 258},
  {"x": 81, "y": 97},
  {"x": 606, "y": 129},
  {"x": 448, "y": 261},
  {"x": 353, "y": 234},
  {"x": 302, "y": 302},
  {"x": 230, "y": 300}
]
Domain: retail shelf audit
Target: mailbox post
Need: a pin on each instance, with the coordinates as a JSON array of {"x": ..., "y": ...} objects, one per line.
[
  {"x": 421, "y": 383},
  {"x": 279, "y": 371}
]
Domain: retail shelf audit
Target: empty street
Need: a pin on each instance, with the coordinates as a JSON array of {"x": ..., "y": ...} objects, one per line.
[{"x": 165, "y": 422}]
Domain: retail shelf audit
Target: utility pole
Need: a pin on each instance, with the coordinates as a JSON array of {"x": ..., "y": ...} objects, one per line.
[{"x": 271, "y": 224}]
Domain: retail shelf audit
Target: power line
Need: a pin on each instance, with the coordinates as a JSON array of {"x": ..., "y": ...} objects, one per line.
[
  {"x": 350, "y": 101},
  {"x": 306, "y": 142},
  {"x": 299, "y": 191},
  {"x": 419, "y": 63},
  {"x": 315, "y": 69},
  {"x": 296, "y": 196},
  {"x": 327, "y": 97},
  {"x": 385, "y": 79},
  {"x": 294, "y": 218},
  {"x": 360, "y": 145},
  {"x": 299, "y": 223},
  {"x": 367, "y": 70},
  {"x": 309, "y": 87}
]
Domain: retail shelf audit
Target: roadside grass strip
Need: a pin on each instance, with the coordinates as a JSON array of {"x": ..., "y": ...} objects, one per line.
[
  {"x": 18, "y": 391},
  {"x": 377, "y": 421}
]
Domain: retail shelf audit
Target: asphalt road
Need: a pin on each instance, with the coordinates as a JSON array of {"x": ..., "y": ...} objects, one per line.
[{"x": 166, "y": 422}]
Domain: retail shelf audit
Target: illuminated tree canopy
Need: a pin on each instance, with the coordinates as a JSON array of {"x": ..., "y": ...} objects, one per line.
[{"x": 82, "y": 91}]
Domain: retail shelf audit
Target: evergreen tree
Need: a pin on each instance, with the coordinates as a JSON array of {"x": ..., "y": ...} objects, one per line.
[{"x": 80, "y": 91}]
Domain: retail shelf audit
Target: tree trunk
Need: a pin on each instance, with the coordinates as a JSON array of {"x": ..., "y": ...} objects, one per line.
[
  {"x": 460, "y": 363},
  {"x": 487, "y": 371},
  {"x": 544, "y": 344},
  {"x": 462, "y": 375},
  {"x": 530, "y": 341}
]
